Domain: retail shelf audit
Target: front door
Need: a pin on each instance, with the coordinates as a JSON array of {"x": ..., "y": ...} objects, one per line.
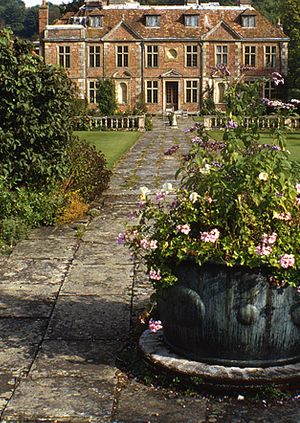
[{"x": 172, "y": 95}]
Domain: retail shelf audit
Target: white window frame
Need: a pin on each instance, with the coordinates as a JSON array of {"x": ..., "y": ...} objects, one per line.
[
  {"x": 152, "y": 21},
  {"x": 250, "y": 52},
  {"x": 92, "y": 92},
  {"x": 152, "y": 56},
  {"x": 151, "y": 91},
  {"x": 221, "y": 54},
  {"x": 64, "y": 56},
  {"x": 191, "y": 57},
  {"x": 249, "y": 21},
  {"x": 122, "y": 53},
  {"x": 270, "y": 57},
  {"x": 191, "y": 20},
  {"x": 191, "y": 91},
  {"x": 94, "y": 56}
]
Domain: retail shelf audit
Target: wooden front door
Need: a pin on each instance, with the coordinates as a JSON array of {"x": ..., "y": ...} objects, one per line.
[{"x": 172, "y": 95}]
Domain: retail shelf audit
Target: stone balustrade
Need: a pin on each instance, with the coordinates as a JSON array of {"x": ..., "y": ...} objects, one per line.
[
  {"x": 264, "y": 122},
  {"x": 113, "y": 123}
]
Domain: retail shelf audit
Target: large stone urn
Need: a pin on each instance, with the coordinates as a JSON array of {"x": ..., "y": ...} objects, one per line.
[{"x": 231, "y": 317}]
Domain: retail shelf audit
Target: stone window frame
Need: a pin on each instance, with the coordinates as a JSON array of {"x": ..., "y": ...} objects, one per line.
[
  {"x": 64, "y": 56},
  {"x": 249, "y": 21},
  {"x": 152, "y": 56},
  {"x": 268, "y": 90},
  {"x": 221, "y": 54},
  {"x": 94, "y": 56},
  {"x": 250, "y": 55},
  {"x": 92, "y": 91},
  {"x": 122, "y": 56},
  {"x": 270, "y": 55},
  {"x": 191, "y": 87},
  {"x": 191, "y": 20},
  {"x": 151, "y": 91},
  {"x": 152, "y": 21},
  {"x": 191, "y": 57}
]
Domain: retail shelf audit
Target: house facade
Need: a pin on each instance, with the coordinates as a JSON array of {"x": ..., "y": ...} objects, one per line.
[{"x": 166, "y": 57}]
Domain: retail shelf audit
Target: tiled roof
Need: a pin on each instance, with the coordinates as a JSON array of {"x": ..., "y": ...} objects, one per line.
[{"x": 172, "y": 22}]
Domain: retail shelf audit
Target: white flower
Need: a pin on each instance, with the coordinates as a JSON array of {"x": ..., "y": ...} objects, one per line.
[
  {"x": 206, "y": 169},
  {"x": 263, "y": 176},
  {"x": 194, "y": 197},
  {"x": 167, "y": 187},
  {"x": 144, "y": 192}
]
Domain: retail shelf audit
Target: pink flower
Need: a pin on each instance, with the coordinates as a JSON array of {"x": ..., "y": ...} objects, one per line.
[
  {"x": 287, "y": 260},
  {"x": 298, "y": 201},
  {"x": 298, "y": 188},
  {"x": 121, "y": 238},
  {"x": 160, "y": 196},
  {"x": 269, "y": 239},
  {"x": 144, "y": 244},
  {"x": 263, "y": 250},
  {"x": 211, "y": 236},
  {"x": 185, "y": 229},
  {"x": 154, "y": 325},
  {"x": 155, "y": 275}
]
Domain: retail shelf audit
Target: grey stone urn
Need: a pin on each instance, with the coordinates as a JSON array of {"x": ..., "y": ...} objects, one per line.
[{"x": 230, "y": 317}]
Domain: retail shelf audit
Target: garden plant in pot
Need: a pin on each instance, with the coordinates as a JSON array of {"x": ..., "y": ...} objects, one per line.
[{"x": 222, "y": 250}]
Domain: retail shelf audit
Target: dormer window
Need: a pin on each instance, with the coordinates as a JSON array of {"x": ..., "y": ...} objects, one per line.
[
  {"x": 95, "y": 21},
  {"x": 152, "y": 21},
  {"x": 191, "y": 20},
  {"x": 78, "y": 20},
  {"x": 249, "y": 21}
]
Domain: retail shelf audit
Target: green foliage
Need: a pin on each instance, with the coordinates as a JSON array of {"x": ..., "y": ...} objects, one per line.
[
  {"x": 106, "y": 96},
  {"x": 22, "y": 209},
  {"x": 290, "y": 14},
  {"x": 88, "y": 172},
  {"x": 35, "y": 116},
  {"x": 238, "y": 203}
]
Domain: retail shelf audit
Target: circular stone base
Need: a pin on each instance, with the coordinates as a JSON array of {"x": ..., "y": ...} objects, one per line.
[{"x": 156, "y": 351}]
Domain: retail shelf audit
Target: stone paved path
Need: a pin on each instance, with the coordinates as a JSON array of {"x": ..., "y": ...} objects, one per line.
[{"x": 66, "y": 304}]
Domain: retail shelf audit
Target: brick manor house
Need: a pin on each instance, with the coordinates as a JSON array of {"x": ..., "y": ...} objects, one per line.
[{"x": 169, "y": 57}]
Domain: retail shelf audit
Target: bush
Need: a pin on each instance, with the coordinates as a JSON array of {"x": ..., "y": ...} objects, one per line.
[
  {"x": 106, "y": 97},
  {"x": 74, "y": 208},
  {"x": 36, "y": 116},
  {"x": 88, "y": 172}
]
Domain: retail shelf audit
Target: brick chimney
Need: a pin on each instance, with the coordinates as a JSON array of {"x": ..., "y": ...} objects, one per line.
[{"x": 43, "y": 17}]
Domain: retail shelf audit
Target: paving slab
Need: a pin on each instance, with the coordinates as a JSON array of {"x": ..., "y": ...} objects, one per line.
[{"x": 90, "y": 317}]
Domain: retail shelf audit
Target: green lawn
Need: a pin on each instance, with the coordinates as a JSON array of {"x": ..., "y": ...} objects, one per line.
[
  {"x": 293, "y": 141},
  {"x": 112, "y": 144}
]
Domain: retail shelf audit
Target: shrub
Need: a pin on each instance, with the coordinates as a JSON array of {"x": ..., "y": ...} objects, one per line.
[
  {"x": 74, "y": 208},
  {"x": 36, "y": 111},
  {"x": 88, "y": 172},
  {"x": 106, "y": 97}
]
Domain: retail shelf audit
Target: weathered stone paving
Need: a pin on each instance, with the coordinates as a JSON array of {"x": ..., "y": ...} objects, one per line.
[{"x": 66, "y": 306}]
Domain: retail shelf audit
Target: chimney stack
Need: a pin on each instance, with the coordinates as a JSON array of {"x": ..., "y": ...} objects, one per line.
[
  {"x": 43, "y": 17},
  {"x": 244, "y": 2}
]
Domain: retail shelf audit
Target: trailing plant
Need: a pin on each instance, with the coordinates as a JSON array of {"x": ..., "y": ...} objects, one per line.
[{"x": 238, "y": 203}]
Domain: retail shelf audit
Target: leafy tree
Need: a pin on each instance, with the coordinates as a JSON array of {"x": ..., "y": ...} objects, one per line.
[
  {"x": 106, "y": 96},
  {"x": 13, "y": 15},
  {"x": 35, "y": 116},
  {"x": 290, "y": 12}
]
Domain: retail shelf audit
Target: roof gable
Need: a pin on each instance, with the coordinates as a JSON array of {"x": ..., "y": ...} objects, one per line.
[
  {"x": 222, "y": 31},
  {"x": 123, "y": 32}
]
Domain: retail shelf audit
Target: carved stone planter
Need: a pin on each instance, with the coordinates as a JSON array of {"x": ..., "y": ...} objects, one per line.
[{"x": 230, "y": 317}]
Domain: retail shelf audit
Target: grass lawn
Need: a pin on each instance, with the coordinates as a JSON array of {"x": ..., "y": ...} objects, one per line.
[
  {"x": 112, "y": 144},
  {"x": 292, "y": 142}
]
